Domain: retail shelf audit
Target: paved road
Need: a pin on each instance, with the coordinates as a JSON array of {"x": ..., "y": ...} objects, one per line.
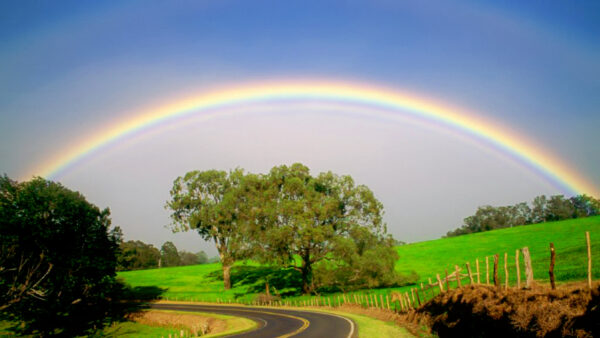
[{"x": 278, "y": 322}]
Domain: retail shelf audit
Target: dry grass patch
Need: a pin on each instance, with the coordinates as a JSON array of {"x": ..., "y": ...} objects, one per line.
[
  {"x": 193, "y": 323},
  {"x": 570, "y": 311}
]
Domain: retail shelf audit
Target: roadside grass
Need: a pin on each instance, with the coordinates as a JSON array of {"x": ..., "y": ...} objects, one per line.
[
  {"x": 370, "y": 327},
  {"x": 204, "y": 282},
  {"x": 137, "y": 330},
  {"x": 121, "y": 329},
  {"x": 233, "y": 325},
  {"x": 173, "y": 327},
  {"x": 131, "y": 329}
]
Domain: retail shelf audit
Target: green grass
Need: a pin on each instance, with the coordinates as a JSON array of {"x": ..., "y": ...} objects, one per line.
[
  {"x": 432, "y": 257},
  {"x": 122, "y": 329},
  {"x": 203, "y": 282},
  {"x": 369, "y": 327},
  {"x": 135, "y": 330}
]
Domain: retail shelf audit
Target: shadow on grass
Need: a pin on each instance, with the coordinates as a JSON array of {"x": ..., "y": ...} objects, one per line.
[
  {"x": 253, "y": 279},
  {"x": 128, "y": 299},
  {"x": 113, "y": 308}
]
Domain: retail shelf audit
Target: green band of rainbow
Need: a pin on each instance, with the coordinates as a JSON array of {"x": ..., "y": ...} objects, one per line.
[{"x": 554, "y": 170}]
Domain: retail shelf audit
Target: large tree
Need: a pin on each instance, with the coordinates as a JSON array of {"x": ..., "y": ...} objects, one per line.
[
  {"x": 211, "y": 203},
  {"x": 306, "y": 221},
  {"x": 57, "y": 259}
]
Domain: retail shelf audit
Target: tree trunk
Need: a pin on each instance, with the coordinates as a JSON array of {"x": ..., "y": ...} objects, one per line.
[
  {"x": 307, "y": 286},
  {"x": 227, "y": 276}
]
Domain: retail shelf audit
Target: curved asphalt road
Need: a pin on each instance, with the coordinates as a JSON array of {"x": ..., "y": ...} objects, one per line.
[{"x": 278, "y": 322}]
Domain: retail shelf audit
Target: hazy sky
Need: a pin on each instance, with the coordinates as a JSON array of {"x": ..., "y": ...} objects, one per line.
[{"x": 71, "y": 68}]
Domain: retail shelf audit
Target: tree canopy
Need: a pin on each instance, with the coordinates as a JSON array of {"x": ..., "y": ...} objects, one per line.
[
  {"x": 169, "y": 255},
  {"x": 136, "y": 255},
  {"x": 211, "y": 203},
  {"x": 57, "y": 259},
  {"x": 289, "y": 218},
  {"x": 326, "y": 223}
]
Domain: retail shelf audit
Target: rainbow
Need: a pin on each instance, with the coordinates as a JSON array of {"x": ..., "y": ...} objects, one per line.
[{"x": 517, "y": 146}]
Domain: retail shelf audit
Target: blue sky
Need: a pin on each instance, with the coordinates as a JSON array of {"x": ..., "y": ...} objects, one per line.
[{"x": 68, "y": 68}]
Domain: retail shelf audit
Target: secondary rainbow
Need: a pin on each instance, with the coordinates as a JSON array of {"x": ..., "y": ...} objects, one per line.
[{"x": 555, "y": 170}]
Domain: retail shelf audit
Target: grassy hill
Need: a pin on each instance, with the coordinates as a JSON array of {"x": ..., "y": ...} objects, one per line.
[
  {"x": 431, "y": 257},
  {"x": 202, "y": 282}
]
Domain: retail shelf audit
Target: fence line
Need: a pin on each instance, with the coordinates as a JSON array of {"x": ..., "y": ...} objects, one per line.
[{"x": 417, "y": 296}]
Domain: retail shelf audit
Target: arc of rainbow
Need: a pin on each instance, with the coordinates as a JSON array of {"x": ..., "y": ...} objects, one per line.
[{"x": 555, "y": 170}]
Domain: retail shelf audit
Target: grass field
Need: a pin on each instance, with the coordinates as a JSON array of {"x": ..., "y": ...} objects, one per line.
[
  {"x": 203, "y": 282},
  {"x": 431, "y": 257}
]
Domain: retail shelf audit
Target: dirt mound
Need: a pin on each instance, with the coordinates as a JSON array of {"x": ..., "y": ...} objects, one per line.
[{"x": 486, "y": 311}]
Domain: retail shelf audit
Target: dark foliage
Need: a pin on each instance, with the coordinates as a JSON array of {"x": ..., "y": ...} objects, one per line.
[
  {"x": 135, "y": 255},
  {"x": 57, "y": 259}
]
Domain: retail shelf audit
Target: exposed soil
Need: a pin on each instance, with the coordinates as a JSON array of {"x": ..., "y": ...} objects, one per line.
[{"x": 486, "y": 311}]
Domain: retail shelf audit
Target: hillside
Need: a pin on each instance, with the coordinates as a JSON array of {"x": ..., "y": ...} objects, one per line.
[
  {"x": 202, "y": 282},
  {"x": 431, "y": 257}
]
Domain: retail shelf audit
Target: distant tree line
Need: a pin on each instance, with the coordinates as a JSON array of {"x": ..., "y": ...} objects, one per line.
[
  {"x": 137, "y": 255},
  {"x": 542, "y": 209}
]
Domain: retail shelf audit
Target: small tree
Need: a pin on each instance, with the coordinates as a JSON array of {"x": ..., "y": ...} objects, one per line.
[
  {"x": 202, "y": 257},
  {"x": 169, "y": 255},
  {"x": 57, "y": 259}
]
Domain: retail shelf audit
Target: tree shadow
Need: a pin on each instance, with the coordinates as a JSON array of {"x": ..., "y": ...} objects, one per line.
[
  {"x": 127, "y": 300},
  {"x": 282, "y": 282}
]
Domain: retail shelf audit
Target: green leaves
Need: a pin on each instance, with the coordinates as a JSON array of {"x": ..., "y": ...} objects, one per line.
[
  {"x": 286, "y": 217},
  {"x": 57, "y": 258}
]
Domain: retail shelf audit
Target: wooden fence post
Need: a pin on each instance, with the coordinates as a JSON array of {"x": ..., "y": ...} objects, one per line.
[
  {"x": 401, "y": 300},
  {"x": 457, "y": 275},
  {"x": 408, "y": 299},
  {"x": 387, "y": 300},
  {"x": 506, "y": 271},
  {"x": 496, "y": 281},
  {"x": 518, "y": 268},
  {"x": 381, "y": 298},
  {"x": 551, "y": 271},
  {"x": 440, "y": 283},
  {"x": 470, "y": 274},
  {"x": 528, "y": 268},
  {"x": 412, "y": 294},
  {"x": 589, "y": 252},
  {"x": 447, "y": 281},
  {"x": 430, "y": 287},
  {"x": 477, "y": 267},
  {"x": 487, "y": 271},
  {"x": 418, "y": 298}
]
